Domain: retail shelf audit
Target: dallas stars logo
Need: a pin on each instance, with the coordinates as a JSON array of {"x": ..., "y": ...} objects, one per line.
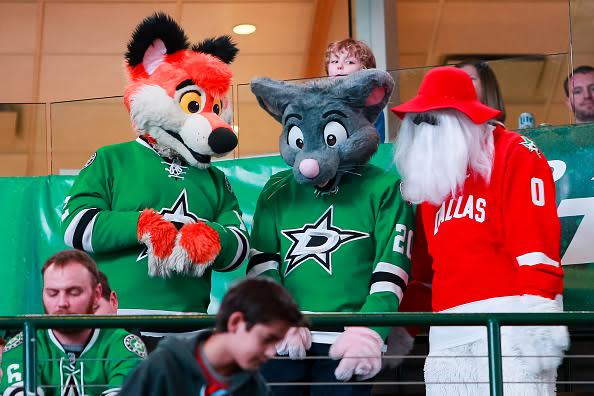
[
  {"x": 317, "y": 241},
  {"x": 529, "y": 144},
  {"x": 178, "y": 214}
]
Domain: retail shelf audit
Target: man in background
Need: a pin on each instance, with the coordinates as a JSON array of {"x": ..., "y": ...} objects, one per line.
[
  {"x": 73, "y": 361},
  {"x": 108, "y": 303},
  {"x": 579, "y": 93}
]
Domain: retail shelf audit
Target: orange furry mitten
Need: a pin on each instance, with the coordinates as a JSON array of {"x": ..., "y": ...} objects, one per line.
[
  {"x": 196, "y": 247},
  {"x": 159, "y": 236}
]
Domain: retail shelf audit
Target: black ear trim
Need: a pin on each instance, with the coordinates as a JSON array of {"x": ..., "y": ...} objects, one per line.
[
  {"x": 222, "y": 47},
  {"x": 157, "y": 26}
]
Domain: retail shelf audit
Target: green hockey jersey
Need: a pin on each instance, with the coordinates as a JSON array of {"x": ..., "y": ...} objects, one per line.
[
  {"x": 101, "y": 216},
  {"x": 347, "y": 251},
  {"x": 100, "y": 369}
]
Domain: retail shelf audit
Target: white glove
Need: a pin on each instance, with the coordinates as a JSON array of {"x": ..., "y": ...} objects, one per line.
[
  {"x": 360, "y": 351},
  {"x": 295, "y": 344},
  {"x": 547, "y": 342}
]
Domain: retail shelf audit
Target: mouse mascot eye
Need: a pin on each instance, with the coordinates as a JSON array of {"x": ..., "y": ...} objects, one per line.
[
  {"x": 153, "y": 212},
  {"x": 333, "y": 229}
]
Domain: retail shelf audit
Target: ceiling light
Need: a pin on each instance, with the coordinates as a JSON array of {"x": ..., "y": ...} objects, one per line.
[{"x": 244, "y": 29}]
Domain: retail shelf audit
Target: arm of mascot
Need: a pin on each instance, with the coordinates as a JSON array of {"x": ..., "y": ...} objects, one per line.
[
  {"x": 265, "y": 261},
  {"x": 360, "y": 348},
  {"x": 222, "y": 243},
  {"x": 88, "y": 221},
  {"x": 417, "y": 297},
  {"x": 532, "y": 236}
]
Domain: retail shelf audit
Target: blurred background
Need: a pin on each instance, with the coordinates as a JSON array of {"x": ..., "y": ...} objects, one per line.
[{"x": 61, "y": 62}]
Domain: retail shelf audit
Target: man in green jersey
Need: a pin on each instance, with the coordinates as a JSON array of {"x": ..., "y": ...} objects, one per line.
[
  {"x": 73, "y": 361},
  {"x": 333, "y": 229}
]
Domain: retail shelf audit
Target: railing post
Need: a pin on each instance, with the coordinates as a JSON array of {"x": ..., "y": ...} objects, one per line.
[
  {"x": 30, "y": 351},
  {"x": 494, "y": 345}
]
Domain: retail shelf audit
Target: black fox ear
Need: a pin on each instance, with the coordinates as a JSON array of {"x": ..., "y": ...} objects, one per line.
[
  {"x": 273, "y": 96},
  {"x": 153, "y": 38},
  {"x": 222, "y": 47}
]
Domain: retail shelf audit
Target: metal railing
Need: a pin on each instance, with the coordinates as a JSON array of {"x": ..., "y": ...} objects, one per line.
[{"x": 493, "y": 322}]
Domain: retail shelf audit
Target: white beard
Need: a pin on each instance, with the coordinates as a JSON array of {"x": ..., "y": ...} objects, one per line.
[{"x": 434, "y": 161}]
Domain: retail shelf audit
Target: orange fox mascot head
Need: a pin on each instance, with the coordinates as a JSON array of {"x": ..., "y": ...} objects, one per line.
[{"x": 176, "y": 95}]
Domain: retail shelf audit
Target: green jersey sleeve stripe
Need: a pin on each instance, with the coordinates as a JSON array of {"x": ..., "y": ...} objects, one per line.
[
  {"x": 262, "y": 262},
  {"x": 388, "y": 278},
  {"x": 242, "y": 249},
  {"x": 391, "y": 268},
  {"x": 79, "y": 233}
]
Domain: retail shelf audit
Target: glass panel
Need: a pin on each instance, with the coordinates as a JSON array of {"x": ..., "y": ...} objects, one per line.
[
  {"x": 23, "y": 140},
  {"x": 581, "y": 99},
  {"x": 431, "y": 32},
  {"x": 528, "y": 85},
  {"x": 79, "y": 128}
]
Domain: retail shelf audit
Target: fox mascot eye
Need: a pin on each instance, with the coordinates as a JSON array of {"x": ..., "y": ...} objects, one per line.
[{"x": 191, "y": 102}]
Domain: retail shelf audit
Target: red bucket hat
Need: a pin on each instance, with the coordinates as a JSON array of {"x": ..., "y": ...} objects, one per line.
[{"x": 447, "y": 87}]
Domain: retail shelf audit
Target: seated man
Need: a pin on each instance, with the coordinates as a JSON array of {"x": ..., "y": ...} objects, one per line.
[
  {"x": 254, "y": 316},
  {"x": 73, "y": 361},
  {"x": 108, "y": 303}
]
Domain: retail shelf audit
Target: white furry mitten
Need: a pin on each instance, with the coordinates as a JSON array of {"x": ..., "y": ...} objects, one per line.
[
  {"x": 400, "y": 343},
  {"x": 542, "y": 346},
  {"x": 360, "y": 351},
  {"x": 296, "y": 343}
]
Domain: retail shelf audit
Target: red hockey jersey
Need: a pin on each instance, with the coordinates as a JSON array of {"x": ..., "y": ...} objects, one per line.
[{"x": 495, "y": 240}]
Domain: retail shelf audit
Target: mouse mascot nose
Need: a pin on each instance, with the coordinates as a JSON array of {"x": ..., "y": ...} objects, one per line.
[{"x": 309, "y": 168}]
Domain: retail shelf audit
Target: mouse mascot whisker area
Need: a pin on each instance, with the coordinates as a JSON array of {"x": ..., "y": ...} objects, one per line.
[
  {"x": 154, "y": 213},
  {"x": 334, "y": 230}
]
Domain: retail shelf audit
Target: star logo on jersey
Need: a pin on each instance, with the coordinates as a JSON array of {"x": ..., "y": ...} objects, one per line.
[
  {"x": 530, "y": 145},
  {"x": 178, "y": 214},
  {"x": 317, "y": 241}
]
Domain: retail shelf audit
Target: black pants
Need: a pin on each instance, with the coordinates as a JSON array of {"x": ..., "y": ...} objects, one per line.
[{"x": 318, "y": 370}]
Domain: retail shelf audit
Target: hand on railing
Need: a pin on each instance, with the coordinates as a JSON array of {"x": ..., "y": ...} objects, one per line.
[
  {"x": 296, "y": 343},
  {"x": 360, "y": 351}
]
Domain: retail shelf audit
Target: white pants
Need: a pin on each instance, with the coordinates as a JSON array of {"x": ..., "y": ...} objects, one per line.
[{"x": 457, "y": 363}]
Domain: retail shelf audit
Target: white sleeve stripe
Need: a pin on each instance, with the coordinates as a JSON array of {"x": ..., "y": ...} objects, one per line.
[
  {"x": 253, "y": 252},
  {"x": 71, "y": 229},
  {"x": 87, "y": 239},
  {"x": 391, "y": 268},
  {"x": 242, "y": 248},
  {"x": 534, "y": 258},
  {"x": 378, "y": 287},
  {"x": 263, "y": 267}
]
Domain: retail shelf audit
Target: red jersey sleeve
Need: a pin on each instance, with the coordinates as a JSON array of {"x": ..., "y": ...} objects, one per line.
[{"x": 532, "y": 232}]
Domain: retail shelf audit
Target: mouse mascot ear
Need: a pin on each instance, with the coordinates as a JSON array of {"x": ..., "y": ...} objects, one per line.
[
  {"x": 273, "y": 96},
  {"x": 369, "y": 89}
]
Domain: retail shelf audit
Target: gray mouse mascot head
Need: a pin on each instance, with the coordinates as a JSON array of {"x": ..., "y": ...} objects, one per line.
[{"x": 327, "y": 124}]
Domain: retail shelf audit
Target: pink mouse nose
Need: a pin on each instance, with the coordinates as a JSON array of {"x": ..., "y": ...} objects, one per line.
[{"x": 309, "y": 168}]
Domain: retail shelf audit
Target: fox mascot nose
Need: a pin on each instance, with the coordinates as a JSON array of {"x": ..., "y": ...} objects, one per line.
[{"x": 222, "y": 140}]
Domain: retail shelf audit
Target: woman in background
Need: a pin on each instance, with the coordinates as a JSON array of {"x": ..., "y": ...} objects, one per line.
[{"x": 485, "y": 84}]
